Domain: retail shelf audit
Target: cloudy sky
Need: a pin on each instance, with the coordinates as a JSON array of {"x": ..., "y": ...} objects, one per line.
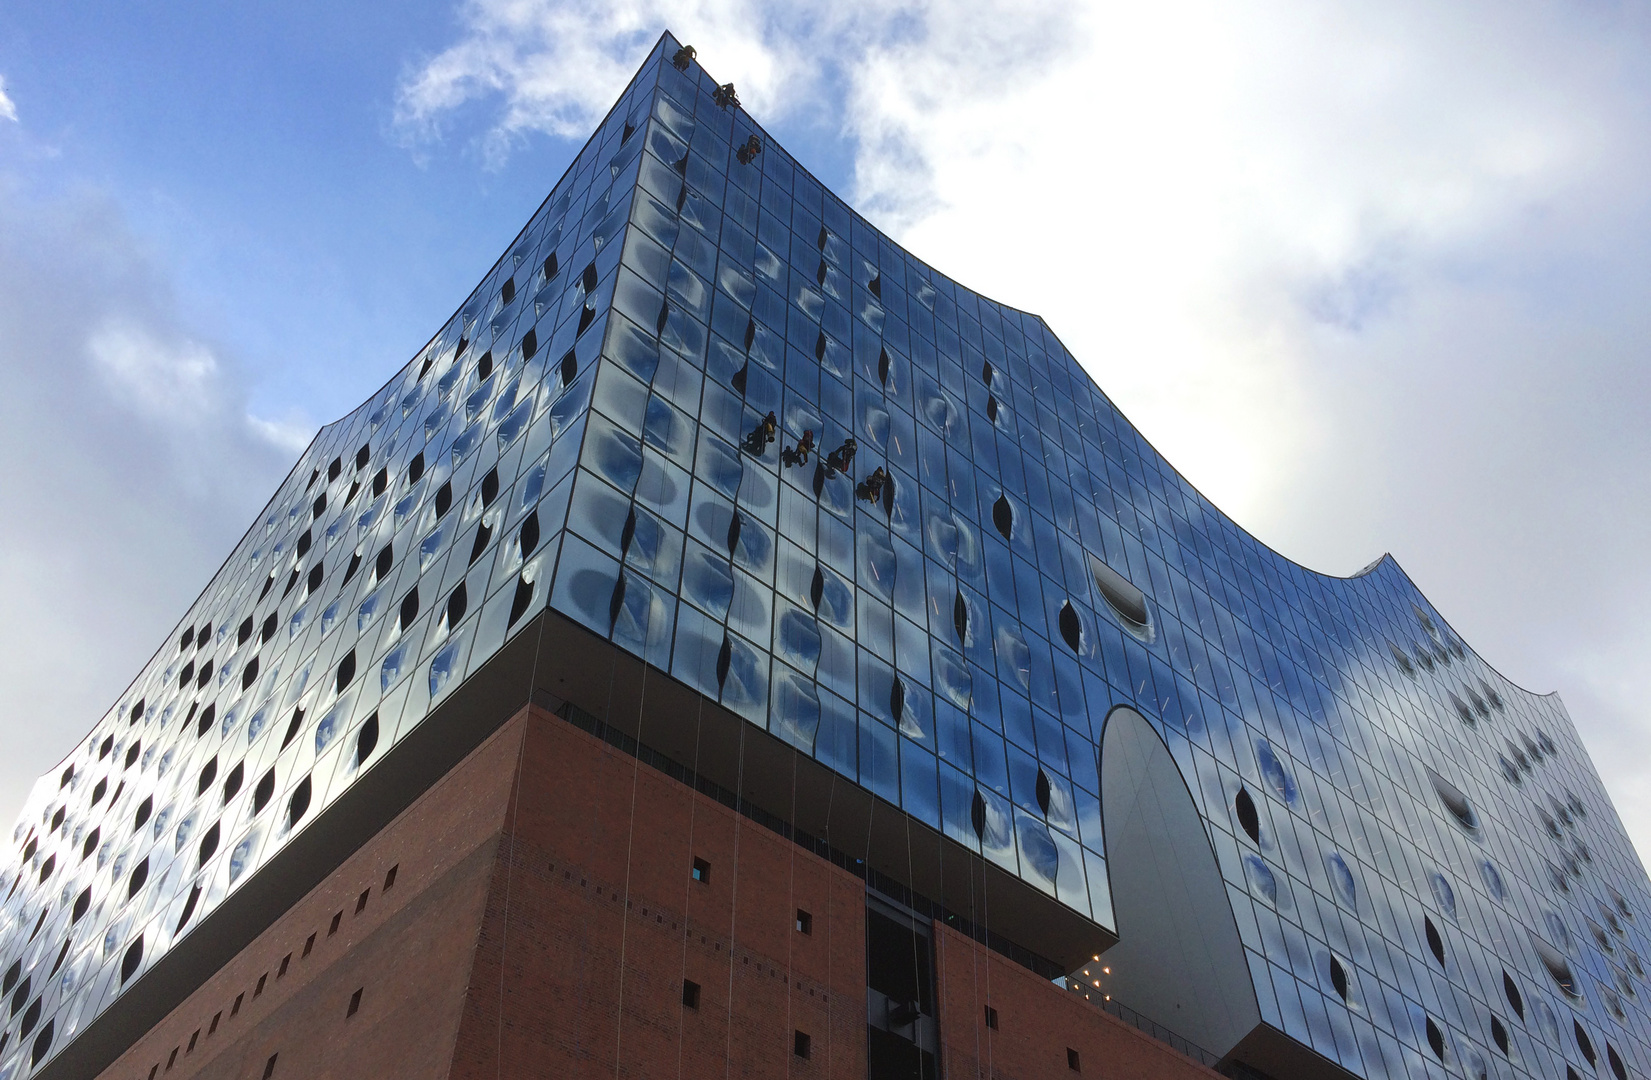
[{"x": 1375, "y": 276}]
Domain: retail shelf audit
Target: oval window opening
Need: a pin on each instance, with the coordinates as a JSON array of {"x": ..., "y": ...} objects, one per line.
[
  {"x": 1071, "y": 627},
  {"x": 1510, "y": 989},
  {"x": 299, "y": 804},
  {"x": 1455, "y": 801},
  {"x": 261, "y": 794},
  {"x": 1435, "y": 1039},
  {"x": 1435, "y": 943},
  {"x": 1584, "y": 1044},
  {"x": 133, "y": 958},
  {"x": 1338, "y": 977},
  {"x": 1248, "y": 819},
  {"x": 1499, "y": 1035},
  {"x": 1003, "y": 516},
  {"x": 1128, "y": 602},
  {"x": 1618, "y": 1069},
  {"x": 1557, "y": 966},
  {"x": 366, "y": 740}
]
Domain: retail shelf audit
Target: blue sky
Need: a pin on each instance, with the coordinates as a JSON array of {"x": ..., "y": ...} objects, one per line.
[{"x": 1373, "y": 275}]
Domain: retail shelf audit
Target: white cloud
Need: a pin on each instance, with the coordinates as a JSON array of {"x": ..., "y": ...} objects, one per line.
[
  {"x": 1370, "y": 275},
  {"x": 8, "y": 108},
  {"x": 132, "y": 469}
]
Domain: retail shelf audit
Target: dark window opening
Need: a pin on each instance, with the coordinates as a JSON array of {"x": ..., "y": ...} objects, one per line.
[
  {"x": 299, "y": 803},
  {"x": 139, "y": 875},
  {"x": 1499, "y": 1035},
  {"x": 587, "y": 315},
  {"x": 801, "y": 1044},
  {"x": 355, "y": 564},
  {"x": 269, "y": 1066},
  {"x": 1003, "y": 516},
  {"x": 361, "y": 901},
  {"x": 490, "y": 487},
  {"x": 570, "y": 368},
  {"x": 1435, "y": 943},
  {"x": 355, "y": 1003},
  {"x": 1584, "y": 1044},
  {"x": 204, "y": 724},
  {"x": 1455, "y": 801},
  {"x": 346, "y": 671},
  {"x": 262, "y": 793},
  {"x": 249, "y": 674},
  {"x": 142, "y": 815},
  {"x": 390, "y": 877},
  {"x": 444, "y": 500},
  {"x": 1435, "y": 1039},
  {"x": 530, "y": 344},
  {"x": 42, "y": 1043},
  {"x": 1071, "y": 627},
  {"x": 362, "y": 456},
  {"x": 690, "y": 994},
  {"x": 235, "y": 1009},
  {"x": 1618, "y": 1069},
  {"x": 702, "y": 871},
  {"x": 335, "y": 469},
  {"x": 103, "y": 750},
  {"x": 366, "y": 740},
  {"x": 338, "y": 917},
  {"x": 991, "y": 1018},
  {"x": 588, "y": 279},
  {"x": 521, "y": 601},
  {"x": 415, "y": 469},
  {"x": 484, "y": 366},
  {"x": 90, "y": 845},
  {"x": 309, "y": 946},
  {"x": 1338, "y": 978},
  {"x": 188, "y": 908},
  {"x": 1123, "y": 597},
  {"x": 132, "y": 754},
  {"x": 209, "y": 843},
  {"x": 1511, "y": 990},
  {"x": 262, "y": 979},
  {"x": 130, "y": 962},
  {"x": 484, "y": 533},
  {"x": 245, "y": 630},
  {"x": 381, "y": 480},
  {"x": 293, "y": 726},
  {"x": 319, "y": 507},
  {"x": 551, "y": 269},
  {"x": 232, "y": 782},
  {"x": 1072, "y": 1060},
  {"x": 354, "y": 488},
  {"x": 805, "y": 922},
  {"x": 386, "y": 560},
  {"x": 508, "y": 292},
  {"x": 213, "y": 1027},
  {"x": 209, "y": 773},
  {"x": 456, "y": 604},
  {"x": 898, "y": 963},
  {"x": 97, "y": 796}
]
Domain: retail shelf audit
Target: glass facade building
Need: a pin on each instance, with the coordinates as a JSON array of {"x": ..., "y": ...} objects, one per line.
[{"x": 943, "y": 593}]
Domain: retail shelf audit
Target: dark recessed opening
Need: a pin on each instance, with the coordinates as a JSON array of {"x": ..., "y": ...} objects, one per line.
[
  {"x": 690, "y": 994},
  {"x": 245, "y": 629},
  {"x": 1003, "y": 516},
  {"x": 490, "y": 486},
  {"x": 385, "y": 561},
  {"x": 381, "y": 480},
  {"x": 142, "y": 815},
  {"x": 362, "y": 456},
  {"x": 521, "y": 601},
  {"x": 508, "y": 292},
  {"x": 1618, "y": 1069},
  {"x": 456, "y": 604},
  {"x": 550, "y": 266},
  {"x": 390, "y": 876},
  {"x": 209, "y": 773},
  {"x": 361, "y": 901},
  {"x": 269, "y": 1066},
  {"x": 801, "y": 1044},
  {"x": 702, "y": 871},
  {"x": 188, "y": 908},
  {"x": 309, "y": 946},
  {"x": 1072, "y": 1061},
  {"x": 355, "y": 1003},
  {"x": 133, "y": 958},
  {"x": 42, "y": 1043},
  {"x": 262, "y": 793},
  {"x": 444, "y": 499},
  {"x": 1435, "y": 943},
  {"x": 90, "y": 845},
  {"x": 337, "y": 918},
  {"x": 1499, "y": 1035},
  {"x": 588, "y": 279},
  {"x": 366, "y": 739},
  {"x": 1557, "y": 966},
  {"x": 140, "y": 874},
  {"x": 1584, "y": 1044},
  {"x": 346, "y": 670},
  {"x": 1435, "y": 1039},
  {"x": 204, "y": 724},
  {"x": 1125, "y": 599},
  {"x": 1071, "y": 627},
  {"x": 209, "y": 843},
  {"x": 97, "y": 796},
  {"x": 1338, "y": 978},
  {"x": 83, "y": 903},
  {"x": 409, "y": 609},
  {"x": 1455, "y": 802},
  {"x": 530, "y": 344},
  {"x": 132, "y": 754},
  {"x": 204, "y": 677},
  {"x": 991, "y": 1018},
  {"x": 484, "y": 534},
  {"x": 249, "y": 674},
  {"x": 805, "y": 922},
  {"x": 299, "y": 804},
  {"x": 570, "y": 368},
  {"x": 293, "y": 726},
  {"x": 232, "y": 782},
  {"x": 103, "y": 749},
  {"x": 528, "y": 538}
]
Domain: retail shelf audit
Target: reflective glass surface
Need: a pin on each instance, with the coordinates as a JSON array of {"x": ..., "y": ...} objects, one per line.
[{"x": 946, "y": 618}]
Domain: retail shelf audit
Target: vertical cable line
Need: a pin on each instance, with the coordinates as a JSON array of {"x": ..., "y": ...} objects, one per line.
[
  {"x": 510, "y": 858},
  {"x": 688, "y": 885}
]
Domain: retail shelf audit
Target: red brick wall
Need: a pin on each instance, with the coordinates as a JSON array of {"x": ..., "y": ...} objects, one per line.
[
  {"x": 409, "y": 950},
  {"x": 1037, "y": 1023},
  {"x": 578, "y": 887}
]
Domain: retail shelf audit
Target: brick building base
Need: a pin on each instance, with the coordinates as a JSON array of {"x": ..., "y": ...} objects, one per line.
[{"x": 538, "y": 912}]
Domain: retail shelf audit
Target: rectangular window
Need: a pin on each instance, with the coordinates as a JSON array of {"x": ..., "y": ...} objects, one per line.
[
  {"x": 801, "y": 1044},
  {"x": 991, "y": 1018},
  {"x": 361, "y": 901},
  {"x": 309, "y": 945},
  {"x": 172, "y": 1059},
  {"x": 285, "y": 961},
  {"x": 702, "y": 871},
  {"x": 1072, "y": 1060},
  {"x": 805, "y": 922},
  {"x": 390, "y": 877},
  {"x": 193, "y": 1039},
  {"x": 690, "y": 993},
  {"x": 338, "y": 916}
]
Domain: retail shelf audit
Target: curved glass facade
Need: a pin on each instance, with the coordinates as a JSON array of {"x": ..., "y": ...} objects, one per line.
[{"x": 1422, "y": 862}]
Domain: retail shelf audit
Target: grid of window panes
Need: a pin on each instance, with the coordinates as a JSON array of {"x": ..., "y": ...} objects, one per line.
[{"x": 943, "y": 642}]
